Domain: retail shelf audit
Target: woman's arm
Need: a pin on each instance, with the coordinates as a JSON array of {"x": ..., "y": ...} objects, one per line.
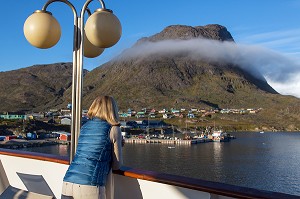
[{"x": 116, "y": 139}]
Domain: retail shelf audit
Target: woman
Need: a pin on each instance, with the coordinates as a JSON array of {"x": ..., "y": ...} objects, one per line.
[{"x": 98, "y": 151}]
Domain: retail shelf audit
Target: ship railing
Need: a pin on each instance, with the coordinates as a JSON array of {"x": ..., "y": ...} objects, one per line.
[{"x": 35, "y": 173}]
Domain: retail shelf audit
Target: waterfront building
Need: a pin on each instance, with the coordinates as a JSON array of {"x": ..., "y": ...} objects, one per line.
[
  {"x": 33, "y": 116},
  {"x": 31, "y": 136},
  {"x": 13, "y": 116},
  {"x": 10, "y": 137},
  {"x": 65, "y": 121},
  {"x": 64, "y": 136}
]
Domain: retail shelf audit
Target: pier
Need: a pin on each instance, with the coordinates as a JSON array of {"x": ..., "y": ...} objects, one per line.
[
  {"x": 22, "y": 143},
  {"x": 166, "y": 141}
]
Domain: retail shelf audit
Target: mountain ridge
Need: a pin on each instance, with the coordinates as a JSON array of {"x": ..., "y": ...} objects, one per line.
[
  {"x": 170, "y": 72},
  {"x": 157, "y": 80},
  {"x": 37, "y": 87}
]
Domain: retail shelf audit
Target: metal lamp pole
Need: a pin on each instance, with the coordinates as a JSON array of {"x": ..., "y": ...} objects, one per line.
[{"x": 102, "y": 30}]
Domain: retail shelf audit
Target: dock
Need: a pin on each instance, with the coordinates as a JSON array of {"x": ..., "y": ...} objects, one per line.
[
  {"x": 166, "y": 141},
  {"x": 22, "y": 143}
]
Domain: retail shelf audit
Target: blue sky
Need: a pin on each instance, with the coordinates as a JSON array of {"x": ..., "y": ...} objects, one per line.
[{"x": 273, "y": 24}]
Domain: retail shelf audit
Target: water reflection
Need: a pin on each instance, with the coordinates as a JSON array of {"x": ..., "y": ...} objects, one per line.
[
  {"x": 268, "y": 161},
  {"x": 217, "y": 157},
  {"x": 64, "y": 150}
]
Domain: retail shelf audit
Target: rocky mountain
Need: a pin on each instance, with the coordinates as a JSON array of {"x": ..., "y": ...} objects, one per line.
[
  {"x": 176, "y": 80},
  {"x": 38, "y": 87},
  {"x": 179, "y": 80},
  {"x": 212, "y": 31},
  {"x": 157, "y": 79}
]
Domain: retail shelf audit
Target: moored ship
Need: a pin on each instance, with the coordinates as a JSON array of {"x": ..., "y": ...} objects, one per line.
[{"x": 219, "y": 136}]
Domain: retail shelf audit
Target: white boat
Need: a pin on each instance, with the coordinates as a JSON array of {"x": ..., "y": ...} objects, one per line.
[
  {"x": 219, "y": 136},
  {"x": 262, "y": 132}
]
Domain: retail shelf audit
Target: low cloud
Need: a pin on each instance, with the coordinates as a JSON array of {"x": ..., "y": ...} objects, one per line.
[
  {"x": 255, "y": 59},
  {"x": 281, "y": 71},
  {"x": 290, "y": 88}
]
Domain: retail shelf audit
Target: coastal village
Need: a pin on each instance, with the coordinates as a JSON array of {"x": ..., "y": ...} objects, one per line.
[
  {"x": 143, "y": 124},
  {"x": 164, "y": 113}
]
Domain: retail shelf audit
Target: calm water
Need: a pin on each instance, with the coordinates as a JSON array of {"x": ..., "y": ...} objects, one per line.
[{"x": 269, "y": 161}]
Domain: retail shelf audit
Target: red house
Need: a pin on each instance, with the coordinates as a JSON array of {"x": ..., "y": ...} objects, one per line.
[
  {"x": 10, "y": 137},
  {"x": 65, "y": 137}
]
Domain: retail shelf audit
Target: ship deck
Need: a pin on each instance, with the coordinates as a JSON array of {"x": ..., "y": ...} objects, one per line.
[{"x": 35, "y": 175}]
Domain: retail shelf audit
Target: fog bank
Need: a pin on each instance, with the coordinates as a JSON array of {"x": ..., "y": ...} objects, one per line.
[
  {"x": 255, "y": 59},
  {"x": 280, "y": 70}
]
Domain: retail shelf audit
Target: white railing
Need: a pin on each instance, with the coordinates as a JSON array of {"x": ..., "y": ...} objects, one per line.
[{"x": 43, "y": 174}]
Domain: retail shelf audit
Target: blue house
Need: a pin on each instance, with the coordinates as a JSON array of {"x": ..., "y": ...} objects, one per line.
[
  {"x": 13, "y": 116},
  {"x": 31, "y": 136}
]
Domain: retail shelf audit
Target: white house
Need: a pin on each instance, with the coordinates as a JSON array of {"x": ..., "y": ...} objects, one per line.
[{"x": 66, "y": 121}]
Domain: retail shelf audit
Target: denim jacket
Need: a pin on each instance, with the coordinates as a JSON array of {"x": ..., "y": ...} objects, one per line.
[{"x": 92, "y": 161}]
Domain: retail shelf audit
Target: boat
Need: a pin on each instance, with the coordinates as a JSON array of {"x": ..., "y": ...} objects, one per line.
[
  {"x": 261, "y": 132},
  {"x": 171, "y": 147},
  {"x": 219, "y": 136}
]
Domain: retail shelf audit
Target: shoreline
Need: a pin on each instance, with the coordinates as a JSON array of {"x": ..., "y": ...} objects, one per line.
[{"x": 22, "y": 143}]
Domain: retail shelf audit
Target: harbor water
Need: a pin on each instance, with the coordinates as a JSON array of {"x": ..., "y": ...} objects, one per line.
[{"x": 268, "y": 161}]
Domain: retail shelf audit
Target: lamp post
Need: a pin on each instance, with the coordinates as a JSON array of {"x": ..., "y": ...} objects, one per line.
[{"x": 102, "y": 30}]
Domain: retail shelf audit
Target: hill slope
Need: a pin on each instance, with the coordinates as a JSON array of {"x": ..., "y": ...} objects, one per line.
[
  {"x": 156, "y": 80},
  {"x": 174, "y": 80},
  {"x": 37, "y": 87}
]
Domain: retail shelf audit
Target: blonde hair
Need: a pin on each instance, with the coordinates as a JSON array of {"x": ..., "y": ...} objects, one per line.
[{"x": 105, "y": 108}]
